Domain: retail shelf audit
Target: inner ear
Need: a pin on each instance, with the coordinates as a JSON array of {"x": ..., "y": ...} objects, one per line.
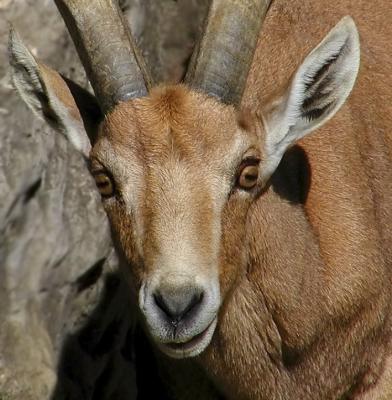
[
  {"x": 319, "y": 85},
  {"x": 324, "y": 80}
]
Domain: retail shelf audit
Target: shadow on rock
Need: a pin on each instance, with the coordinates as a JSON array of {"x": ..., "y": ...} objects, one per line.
[{"x": 109, "y": 357}]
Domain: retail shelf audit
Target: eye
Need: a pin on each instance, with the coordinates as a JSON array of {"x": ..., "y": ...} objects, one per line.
[
  {"x": 104, "y": 183},
  {"x": 248, "y": 174}
]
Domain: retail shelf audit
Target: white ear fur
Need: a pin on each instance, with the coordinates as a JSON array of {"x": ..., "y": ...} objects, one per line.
[
  {"x": 31, "y": 79},
  {"x": 24, "y": 72},
  {"x": 317, "y": 91}
]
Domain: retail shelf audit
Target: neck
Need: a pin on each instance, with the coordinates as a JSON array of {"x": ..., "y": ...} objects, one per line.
[{"x": 278, "y": 336}]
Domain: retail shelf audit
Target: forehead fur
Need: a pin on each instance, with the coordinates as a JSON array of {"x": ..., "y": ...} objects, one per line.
[{"x": 172, "y": 117}]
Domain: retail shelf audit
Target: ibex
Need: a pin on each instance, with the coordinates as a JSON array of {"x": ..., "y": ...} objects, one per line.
[{"x": 259, "y": 256}]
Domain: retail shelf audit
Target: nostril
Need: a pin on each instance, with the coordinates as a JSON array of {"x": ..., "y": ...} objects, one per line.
[
  {"x": 196, "y": 299},
  {"x": 160, "y": 302},
  {"x": 178, "y": 304}
]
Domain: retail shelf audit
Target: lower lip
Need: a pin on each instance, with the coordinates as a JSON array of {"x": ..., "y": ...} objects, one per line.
[{"x": 191, "y": 348}]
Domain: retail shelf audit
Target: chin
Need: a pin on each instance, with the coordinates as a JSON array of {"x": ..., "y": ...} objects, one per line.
[{"x": 191, "y": 348}]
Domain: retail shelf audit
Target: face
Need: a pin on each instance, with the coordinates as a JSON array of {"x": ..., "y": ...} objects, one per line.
[{"x": 177, "y": 172}]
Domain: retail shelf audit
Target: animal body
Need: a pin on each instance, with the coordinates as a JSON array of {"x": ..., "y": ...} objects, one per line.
[{"x": 259, "y": 256}]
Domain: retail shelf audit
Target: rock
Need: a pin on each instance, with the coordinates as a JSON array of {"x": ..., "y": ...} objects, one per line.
[{"x": 66, "y": 325}]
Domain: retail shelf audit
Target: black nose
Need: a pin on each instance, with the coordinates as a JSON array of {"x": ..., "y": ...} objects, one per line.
[{"x": 178, "y": 303}]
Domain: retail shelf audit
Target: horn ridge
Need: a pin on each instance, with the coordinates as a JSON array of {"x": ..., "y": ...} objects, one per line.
[
  {"x": 107, "y": 50},
  {"x": 221, "y": 60}
]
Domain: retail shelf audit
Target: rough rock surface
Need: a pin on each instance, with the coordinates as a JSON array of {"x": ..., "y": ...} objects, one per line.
[{"x": 65, "y": 319}]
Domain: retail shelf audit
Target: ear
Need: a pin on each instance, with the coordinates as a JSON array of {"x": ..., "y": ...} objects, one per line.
[
  {"x": 319, "y": 88},
  {"x": 67, "y": 107}
]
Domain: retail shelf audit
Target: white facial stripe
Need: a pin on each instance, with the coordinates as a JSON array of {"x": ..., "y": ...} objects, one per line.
[
  {"x": 177, "y": 222},
  {"x": 128, "y": 173},
  {"x": 222, "y": 179},
  {"x": 237, "y": 148}
]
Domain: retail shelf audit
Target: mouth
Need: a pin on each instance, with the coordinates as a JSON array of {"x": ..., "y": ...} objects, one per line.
[{"x": 192, "y": 347}]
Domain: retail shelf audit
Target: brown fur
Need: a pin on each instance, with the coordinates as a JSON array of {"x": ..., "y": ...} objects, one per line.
[{"x": 322, "y": 300}]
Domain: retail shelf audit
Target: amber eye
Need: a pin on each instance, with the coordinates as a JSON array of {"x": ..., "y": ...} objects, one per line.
[
  {"x": 104, "y": 183},
  {"x": 249, "y": 175}
]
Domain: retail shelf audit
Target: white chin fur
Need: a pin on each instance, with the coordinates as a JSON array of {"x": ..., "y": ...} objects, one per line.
[{"x": 193, "y": 347}]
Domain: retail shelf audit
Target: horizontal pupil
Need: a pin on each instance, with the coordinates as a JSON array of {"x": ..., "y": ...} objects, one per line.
[{"x": 101, "y": 184}]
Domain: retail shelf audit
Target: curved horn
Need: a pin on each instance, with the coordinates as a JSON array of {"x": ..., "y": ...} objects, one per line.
[
  {"x": 106, "y": 48},
  {"x": 222, "y": 59}
]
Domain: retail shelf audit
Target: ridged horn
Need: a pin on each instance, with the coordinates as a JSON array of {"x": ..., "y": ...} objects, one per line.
[
  {"x": 221, "y": 61},
  {"x": 107, "y": 50}
]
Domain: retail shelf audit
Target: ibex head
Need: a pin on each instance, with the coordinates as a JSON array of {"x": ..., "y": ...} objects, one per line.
[{"x": 179, "y": 166}]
